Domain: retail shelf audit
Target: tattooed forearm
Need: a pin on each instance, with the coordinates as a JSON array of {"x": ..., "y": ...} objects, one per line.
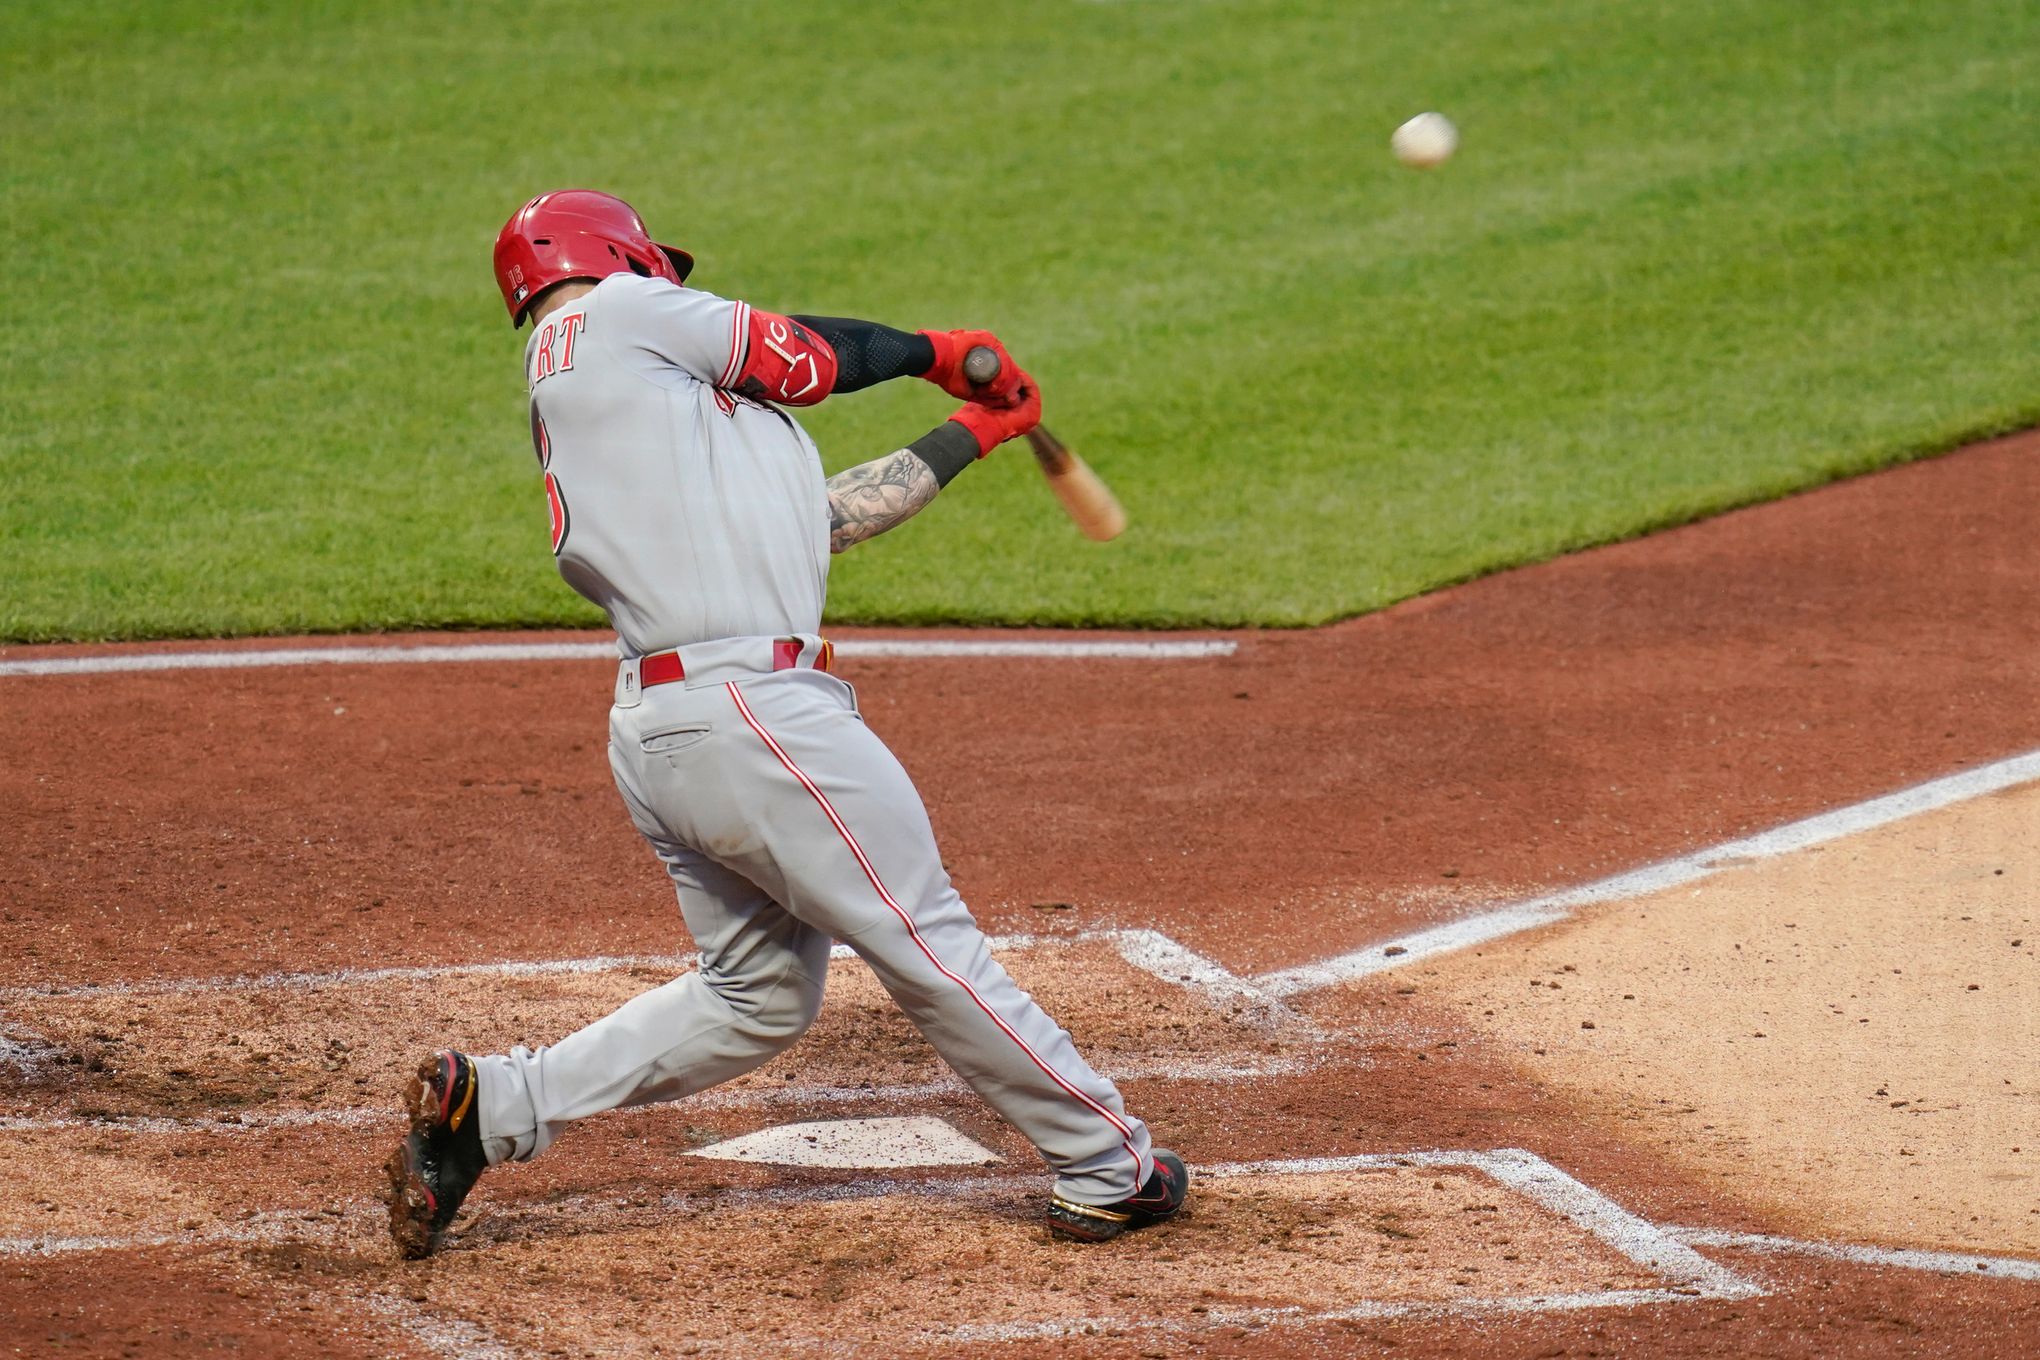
[{"x": 873, "y": 497}]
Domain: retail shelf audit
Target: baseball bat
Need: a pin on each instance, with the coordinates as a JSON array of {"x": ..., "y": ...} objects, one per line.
[{"x": 1083, "y": 494}]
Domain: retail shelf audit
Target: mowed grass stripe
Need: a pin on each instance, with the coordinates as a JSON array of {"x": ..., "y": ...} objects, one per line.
[{"x": 1690, "y": 256}]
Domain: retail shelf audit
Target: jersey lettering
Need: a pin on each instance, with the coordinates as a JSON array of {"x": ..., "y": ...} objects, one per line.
[
  {"x": 542, "y": 356},
  {"x": 679, "y": 511},
  {"x": 570, "y": 326},
  {"x": 560, "y": 332}
]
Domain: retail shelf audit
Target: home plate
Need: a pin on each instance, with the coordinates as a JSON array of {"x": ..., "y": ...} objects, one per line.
[{"x": 918, "y": 1140}]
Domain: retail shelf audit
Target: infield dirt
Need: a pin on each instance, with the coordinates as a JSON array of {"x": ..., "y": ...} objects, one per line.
[
  {"x": 1306, "y": 795},
  {"x": 1847, "y": 1037}
]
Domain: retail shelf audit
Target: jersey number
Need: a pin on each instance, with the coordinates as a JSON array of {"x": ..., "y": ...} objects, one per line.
[{"x": 555, "y": 499}]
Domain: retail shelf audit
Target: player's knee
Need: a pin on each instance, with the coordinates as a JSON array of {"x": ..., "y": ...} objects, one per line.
[
  {"x": 788, "y": 1011},
  {"x": 780, "y": 1014}
]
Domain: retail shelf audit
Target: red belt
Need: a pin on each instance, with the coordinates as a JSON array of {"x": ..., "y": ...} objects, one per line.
[{"x": 663, "y": 668}]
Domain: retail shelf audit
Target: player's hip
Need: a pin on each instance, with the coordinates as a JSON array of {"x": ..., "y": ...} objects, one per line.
[
  {"x": 738, "y": 691},
  {"x": 708, "y": 767},
  {"x": 718, "y": 661}
]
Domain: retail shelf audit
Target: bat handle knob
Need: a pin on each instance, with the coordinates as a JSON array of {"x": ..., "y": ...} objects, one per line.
[{"x": 981, "y": 365}]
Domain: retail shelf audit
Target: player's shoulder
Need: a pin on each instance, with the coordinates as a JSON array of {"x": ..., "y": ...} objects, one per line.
[
  {"x": 627, "y": 287},
  {"x": 624, "y": 290},
  {"x": 656, "y": 302}
]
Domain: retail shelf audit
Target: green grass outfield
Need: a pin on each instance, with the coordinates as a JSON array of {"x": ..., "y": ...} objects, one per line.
[{"x": 257, "y": 377}]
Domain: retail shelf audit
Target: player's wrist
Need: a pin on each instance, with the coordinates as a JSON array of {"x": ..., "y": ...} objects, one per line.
[
  {"x": 984, "y": 427},
  {"x": 947, "y": 449},
  {"x": 942, "y": 355}
]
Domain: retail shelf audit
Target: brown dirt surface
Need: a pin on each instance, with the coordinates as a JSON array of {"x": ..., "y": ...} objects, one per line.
[
  {"x": 872, "y": 1271},
  {"x": 1848, "y": 1036},
  {"x": 173, "y": 1303},
  {"x": 1530, "y": 730},
  {"x": 1309, "y": 794},
  {"x": 262, "y": 1049}
]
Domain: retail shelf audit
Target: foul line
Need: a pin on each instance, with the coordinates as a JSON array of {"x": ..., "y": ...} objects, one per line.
[
  {"x": 1543, "y": 911},
  {"x": 429, "y": 654}
]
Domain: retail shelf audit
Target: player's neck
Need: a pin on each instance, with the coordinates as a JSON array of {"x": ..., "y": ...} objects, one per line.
[{"x": 558, "y": 297}]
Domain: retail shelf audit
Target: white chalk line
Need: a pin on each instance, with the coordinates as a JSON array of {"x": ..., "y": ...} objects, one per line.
[
  {"x": 1637, "y": 1238},
  {"x": 306, "y": 1227},
  {"x": 806, "y": 1095},
  {"x": 1376, "y": 1310},
  {"x": 443, "y": 653},
  {"x": 1160, "y": 956},
  {"x": 245, "y": 1122},
  {"x": 26, "y": 1054},
  {"x": 1148, "y": 950},
  {"x": 354, "y": 977},
  {"x": 1666, "y": 1249},
  {"x": 1688, "y": 1275},
  {"x": 1535, "y": 1179},
  {"x": 1905, "y": 1258},
  {"x": 1486, "y": 926},
  {"x": 438, "y": 1332}
]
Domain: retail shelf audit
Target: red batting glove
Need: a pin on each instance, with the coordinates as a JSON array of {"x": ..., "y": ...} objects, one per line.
[
  {"x": 947, "y": 372},
  {"x": 994, "y": 425}
]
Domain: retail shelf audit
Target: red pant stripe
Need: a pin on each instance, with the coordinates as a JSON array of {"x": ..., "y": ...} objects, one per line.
[{"x": 1126, "y": 1134}]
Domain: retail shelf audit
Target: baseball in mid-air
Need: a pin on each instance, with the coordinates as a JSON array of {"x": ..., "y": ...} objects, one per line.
[{"x": 1426, "y": 140}]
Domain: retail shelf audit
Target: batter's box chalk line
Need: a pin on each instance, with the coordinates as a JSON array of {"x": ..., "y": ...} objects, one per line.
[
  {"x": 1150, "y": 951},
  {"x": 440, "y": 1334},
  {"x": 1687, "y": 1276},
  {"x": 1667, "y": 1250},
  {"x": 775, "y": 1095}
]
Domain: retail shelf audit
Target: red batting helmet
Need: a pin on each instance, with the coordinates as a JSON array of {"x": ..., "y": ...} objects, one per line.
[{"x": 577, "y": 234}]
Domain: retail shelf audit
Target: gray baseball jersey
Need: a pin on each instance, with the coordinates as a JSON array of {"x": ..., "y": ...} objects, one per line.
[
  {"x": 683, "y": 510},
  {"x": 699, "y": 521}
]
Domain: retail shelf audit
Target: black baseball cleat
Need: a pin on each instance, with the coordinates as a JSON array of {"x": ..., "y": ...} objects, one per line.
[
  {"x": 1161, "y": 1195},
  {"x": 440, "y": 1160}
]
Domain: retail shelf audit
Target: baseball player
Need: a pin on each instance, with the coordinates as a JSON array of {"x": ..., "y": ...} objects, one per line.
[{"x": 691, "y": 507}]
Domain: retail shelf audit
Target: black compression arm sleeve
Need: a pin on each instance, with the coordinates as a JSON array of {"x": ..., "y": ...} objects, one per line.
[
  {"x": 868, "y": 353},
  {"x": 947, "y": 450}
]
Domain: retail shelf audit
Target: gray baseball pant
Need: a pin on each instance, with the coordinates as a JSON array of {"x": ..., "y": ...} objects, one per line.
[{"x": 785, "y": 824}]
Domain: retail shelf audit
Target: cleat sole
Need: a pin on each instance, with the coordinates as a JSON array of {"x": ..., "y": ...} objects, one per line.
[{"x": 410, "y": 1206}]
